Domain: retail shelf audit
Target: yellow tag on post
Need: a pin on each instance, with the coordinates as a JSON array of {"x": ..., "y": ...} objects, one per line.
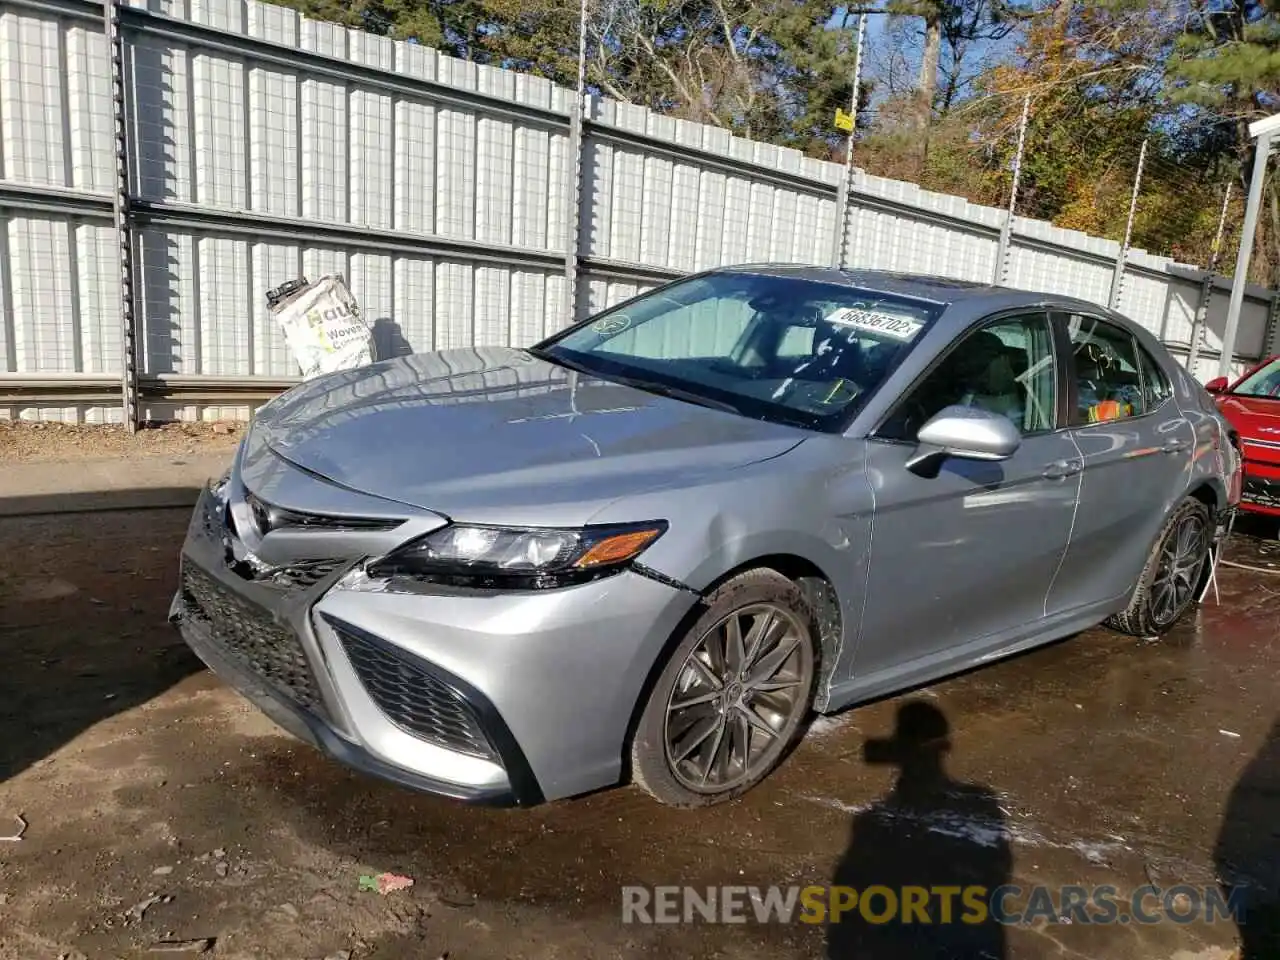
[{"x": 844, "y": 121}]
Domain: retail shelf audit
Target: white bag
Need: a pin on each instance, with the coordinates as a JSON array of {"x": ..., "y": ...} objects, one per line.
[{"x": 322, "y": 325}]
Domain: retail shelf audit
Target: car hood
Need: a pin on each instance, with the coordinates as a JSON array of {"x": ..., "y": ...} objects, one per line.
[
  {"x": 498, "y": 435},
  {"x": 1252, "y": 413}
]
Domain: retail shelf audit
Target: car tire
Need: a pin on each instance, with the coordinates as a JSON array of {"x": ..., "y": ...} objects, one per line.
[
  {"x": 1173, "y": 571},
  {"x": 723, "y": 715}
]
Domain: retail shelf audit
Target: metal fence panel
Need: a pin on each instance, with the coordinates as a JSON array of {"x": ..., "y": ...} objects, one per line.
[
  {"x": 262, "y": 144},
  {"x": 42, "y": 297},
  {"x": 1153, "y": 290},
  {"x": 898, "y": 226},
  {"x": 163, "y": 157},
  {"x": 1253, "y": 325},
  {"x": 1044, "y": 257},
  {"x": 32, "y": 103},
  {"x": 88, "y": 111}
]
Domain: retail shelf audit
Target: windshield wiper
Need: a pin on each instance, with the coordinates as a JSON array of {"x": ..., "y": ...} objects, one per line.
[
  {"x": 675, "y": 393},
  {"x": 639, "y": 383},
  {"x": 557, "y": 360}
]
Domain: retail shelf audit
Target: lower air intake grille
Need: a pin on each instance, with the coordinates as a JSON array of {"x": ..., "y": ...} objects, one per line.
[
  {"x": 248, "y": 635},
  {"x": 413, "y": 698}
]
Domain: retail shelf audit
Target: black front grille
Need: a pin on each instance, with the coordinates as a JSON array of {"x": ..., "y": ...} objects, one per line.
[
  {"x": 247, "y": 633},
  {"x": 413, "y": 698}
]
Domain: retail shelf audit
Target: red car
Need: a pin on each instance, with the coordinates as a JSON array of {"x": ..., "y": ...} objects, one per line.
[{"x": 1252, "y": 404}]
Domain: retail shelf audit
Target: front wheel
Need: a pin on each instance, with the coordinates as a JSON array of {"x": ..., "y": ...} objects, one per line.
[
  {"x": 1168, "y": 583},
  {"x": 729, "y": 703}
]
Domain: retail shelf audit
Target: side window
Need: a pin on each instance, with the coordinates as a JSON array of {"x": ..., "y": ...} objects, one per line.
[
  {"x": 1156, "y": 388},
  {"x": 1005, "y": 367},
  {"x": 1108, "y": 384}
]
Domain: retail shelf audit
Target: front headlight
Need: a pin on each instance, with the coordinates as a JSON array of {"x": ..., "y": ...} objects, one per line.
[{"x": 521, "y": 557}]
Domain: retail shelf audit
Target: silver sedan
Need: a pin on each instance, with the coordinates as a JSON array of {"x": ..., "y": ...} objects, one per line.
[{"x": 651, "y": 546}]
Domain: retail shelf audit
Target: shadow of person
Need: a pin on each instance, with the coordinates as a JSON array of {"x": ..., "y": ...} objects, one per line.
[
  {"x": 1247, "y": 854},
  {"x": 930, "y": 832},
  {"x": 389, "y": 340}
]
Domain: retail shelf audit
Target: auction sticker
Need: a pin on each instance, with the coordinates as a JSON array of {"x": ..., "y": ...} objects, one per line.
[{"x": 900, "y": 328}]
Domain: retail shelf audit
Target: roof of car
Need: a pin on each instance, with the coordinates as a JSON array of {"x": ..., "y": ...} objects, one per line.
[{"x": 942, "y": 290}]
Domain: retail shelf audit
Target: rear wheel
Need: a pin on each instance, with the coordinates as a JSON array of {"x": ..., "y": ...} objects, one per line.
[
  {"x": 729, "y": 703},
  {"x": 1166, "y": 589}
]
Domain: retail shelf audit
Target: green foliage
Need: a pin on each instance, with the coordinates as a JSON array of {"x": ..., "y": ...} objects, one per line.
[
  {"x": 1229, "y": 59},
  {"x": 533, "y": 36}
]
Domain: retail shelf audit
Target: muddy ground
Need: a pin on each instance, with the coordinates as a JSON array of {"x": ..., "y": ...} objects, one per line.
[{"x": 1097, "y": 760}]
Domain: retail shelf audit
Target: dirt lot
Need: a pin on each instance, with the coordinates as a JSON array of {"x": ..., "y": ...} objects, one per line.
[
  {"x": 1096, "y": 760},
  {"x": 27, "y": 442}
]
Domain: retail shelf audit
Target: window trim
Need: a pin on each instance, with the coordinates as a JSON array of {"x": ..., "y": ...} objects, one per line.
[
  {"x": 1142, "y": 371},
  {"x": 1059, "y": 317},
  {"x": 1059, "y": 378}
]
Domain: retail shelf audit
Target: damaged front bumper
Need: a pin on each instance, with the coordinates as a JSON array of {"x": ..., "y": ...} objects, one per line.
[
  {"x": 487, "y": 696},
  {"x": 259, "y": 637},
  {"x": 308, "y": 725}
]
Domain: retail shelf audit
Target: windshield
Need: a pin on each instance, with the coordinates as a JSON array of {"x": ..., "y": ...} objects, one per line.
[
  {"x": 774, "y": 348},
  {"x": 1264, "y": 382}
]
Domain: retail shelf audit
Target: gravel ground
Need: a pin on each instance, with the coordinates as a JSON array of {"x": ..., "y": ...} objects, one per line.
[{"x": 27, "y": 442}]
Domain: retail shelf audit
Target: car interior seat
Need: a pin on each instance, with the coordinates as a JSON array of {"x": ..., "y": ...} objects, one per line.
[
  {"x": 996, "y": 387},
  {"x": 976, "y": 374},
  {"x": 979, "y": 372}
]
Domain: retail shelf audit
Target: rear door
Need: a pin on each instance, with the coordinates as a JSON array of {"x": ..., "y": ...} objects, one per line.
[
  {"x": 967, "y": 557},
  {"x": 1137, "y": 448}
]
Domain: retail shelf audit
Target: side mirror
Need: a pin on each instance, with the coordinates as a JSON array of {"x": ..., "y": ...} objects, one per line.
[
  {"x": 1217, "y": 385},
  {"x": 966, "y": 432}
]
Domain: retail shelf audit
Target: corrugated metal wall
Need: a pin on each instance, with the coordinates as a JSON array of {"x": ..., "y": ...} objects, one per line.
[{"x": 264, "y": 145}]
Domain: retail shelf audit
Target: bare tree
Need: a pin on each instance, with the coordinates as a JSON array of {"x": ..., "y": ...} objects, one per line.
[
  {"x": 969, "y": 27},
  {"x": 889, "y": 61}
]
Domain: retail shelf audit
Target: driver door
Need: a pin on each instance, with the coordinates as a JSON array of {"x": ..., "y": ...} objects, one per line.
[{"x": 963, "y": 561}]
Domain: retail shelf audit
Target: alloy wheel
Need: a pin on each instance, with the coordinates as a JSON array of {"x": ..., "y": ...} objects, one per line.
[
  {"x": 1182, "y": 558},
  {"x": 737, "y": 698}
]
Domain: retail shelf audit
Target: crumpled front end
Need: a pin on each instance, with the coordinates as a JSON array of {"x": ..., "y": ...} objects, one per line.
[
  {"x": 251, "y": 620},
  {"x": 485, "y": 696}
]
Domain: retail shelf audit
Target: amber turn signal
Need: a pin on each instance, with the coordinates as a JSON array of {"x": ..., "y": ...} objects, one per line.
[{"x": 618, "y": 548}]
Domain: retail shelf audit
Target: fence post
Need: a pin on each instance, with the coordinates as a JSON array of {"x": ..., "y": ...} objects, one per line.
[
  {"x": 1117, "y": 277},
  {"x": 122, "y": 221},
  {"x": 1006, "y": 231},
  {"x": 1206, "y": 287},
  {"x": 577, "y": 145},
  {"x": 1271, "y": 335},
  {"x": 844, "y": 228}
]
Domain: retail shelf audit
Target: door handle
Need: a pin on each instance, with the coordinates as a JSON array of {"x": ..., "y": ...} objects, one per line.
[
  {"x": 1175, "y": 446},
  {"x": 1060, "y": 469}
]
